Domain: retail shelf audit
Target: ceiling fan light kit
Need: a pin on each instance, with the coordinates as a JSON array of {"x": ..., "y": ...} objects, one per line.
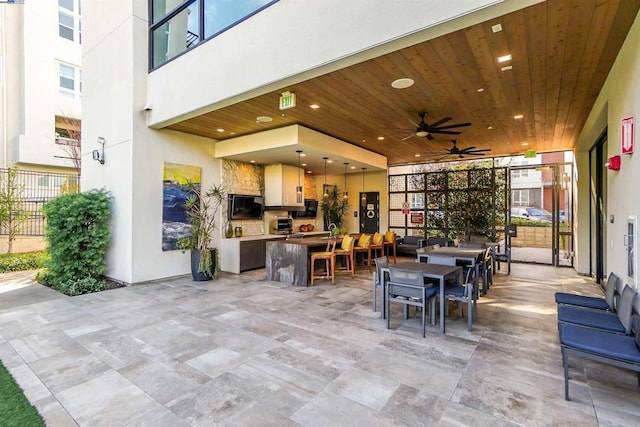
[{"x": 426, "y": 130}]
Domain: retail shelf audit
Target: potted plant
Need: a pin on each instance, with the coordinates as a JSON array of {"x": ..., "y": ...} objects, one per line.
[
  {"x": 334, "y": 208},
  {"x": 202, "y": 208}
]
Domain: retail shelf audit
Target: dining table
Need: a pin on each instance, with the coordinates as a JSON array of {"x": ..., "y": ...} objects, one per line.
[
  {"x": 472, "y": 256},
  {"x": 429, "y": 271}
]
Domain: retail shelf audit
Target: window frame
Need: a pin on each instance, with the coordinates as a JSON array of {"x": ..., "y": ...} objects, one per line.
[
  {"x": 155, "y": 25},
  {"x": 76, "y": 91},
  {"x": 74, "y": 15}
]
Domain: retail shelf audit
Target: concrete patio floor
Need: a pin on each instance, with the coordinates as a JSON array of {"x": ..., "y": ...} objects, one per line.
[{"x": 244, "y": 351}]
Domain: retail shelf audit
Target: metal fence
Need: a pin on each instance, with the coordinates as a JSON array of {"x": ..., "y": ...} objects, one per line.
[{"x": 32, "y": 190}]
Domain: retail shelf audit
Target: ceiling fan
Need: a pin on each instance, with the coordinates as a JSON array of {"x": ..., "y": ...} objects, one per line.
[
  {"x": 460, "y": 152},
  {"x": 424, "y": 129}
]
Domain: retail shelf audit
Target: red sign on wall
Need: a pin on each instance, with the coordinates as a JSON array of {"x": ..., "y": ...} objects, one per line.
[
  {"x": 628, "y": 135},
  {"x": 417, "y": 217}
]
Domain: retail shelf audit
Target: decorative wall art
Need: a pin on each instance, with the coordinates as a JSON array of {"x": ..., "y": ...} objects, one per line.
[{"x": 175, "y": 221}]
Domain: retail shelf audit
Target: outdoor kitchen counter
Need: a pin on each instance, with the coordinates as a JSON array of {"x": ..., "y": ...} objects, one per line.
[{"x": 287, "y": 261}]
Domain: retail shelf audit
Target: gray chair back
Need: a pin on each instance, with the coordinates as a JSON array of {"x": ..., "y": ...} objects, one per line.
[
  {"x": 406, "y": 283},
  {"x": 380, "y": 262},
  {"x": 625, "y": 310},
  {"x": 441, "y": 259},
  {"x": 610, "y": 289}
]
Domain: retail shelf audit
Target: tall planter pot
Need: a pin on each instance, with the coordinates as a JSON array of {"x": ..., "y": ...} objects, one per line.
[{"x": 195, "y": 261}]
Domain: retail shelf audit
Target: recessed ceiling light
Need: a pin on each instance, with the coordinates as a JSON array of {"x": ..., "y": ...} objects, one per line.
[
  {"x": 314, "y": 106},
  {"x": 507, "y": 68},
  {"x": 264, "y": 119},
  {"x": 416, "y": 155},
  {"x": 504, "y": 58},
  {"x": 402, "y": 83},
  {"x": 329, "y": 161},
  {"x": 303, "y": 155},
  {"x": 381, "y": 138},
  {"x": 232, "y": 133},
  {"x": 220, "y": 130},
  {"x": 518, "y": 116},
  {"x": 480, "y": 89},
  {"x": 308, "y": 171},
  {"x": 252, "y": 161},
  {"x": 364, "y": 140},
  {"x": 496, "y": 28},
  {"x": 352, "y": 167},
  {"x": 525, "y": 143},
  {"x": 489, "y": 127}
]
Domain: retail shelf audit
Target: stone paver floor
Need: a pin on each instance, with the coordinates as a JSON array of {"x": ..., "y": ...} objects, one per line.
[{"x": 244, "y": 351}]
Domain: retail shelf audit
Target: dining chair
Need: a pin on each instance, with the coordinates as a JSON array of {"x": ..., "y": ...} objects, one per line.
[
  {"x": 465, "y": 293},
  {"x": 345, "y": 251},
  {"x": 329, "y": 261},
  {"x": 487, "y": 268},
  {"x": 363, "y": 246},
  {"x": 380, "y": 263},
  {"x": 408, "y": 288},
  {"x": 389, "y": 245}
]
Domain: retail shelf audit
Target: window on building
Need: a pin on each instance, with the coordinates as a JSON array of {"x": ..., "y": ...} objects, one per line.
[
  {"x": 181, "y": 25},
  {"x": 69, "y": 20},
  {"x": 70, "y": 81},
  {"x": 519, "y": 197},
  {"x": 416, "y": 200},
  {"x": 520, "y": 173}
]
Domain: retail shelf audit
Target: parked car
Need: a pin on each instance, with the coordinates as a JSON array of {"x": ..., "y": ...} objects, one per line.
[{"x": 532, "y": 213}]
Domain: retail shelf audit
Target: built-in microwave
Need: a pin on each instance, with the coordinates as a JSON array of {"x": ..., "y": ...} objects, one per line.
[{"x": 282, "y": 225}]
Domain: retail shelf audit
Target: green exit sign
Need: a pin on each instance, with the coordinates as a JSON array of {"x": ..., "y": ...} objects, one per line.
[{"x": 287, "y": 100}]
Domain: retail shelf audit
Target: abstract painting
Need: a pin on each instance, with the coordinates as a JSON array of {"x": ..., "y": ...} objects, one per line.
[{"x": 175, "y": 221}]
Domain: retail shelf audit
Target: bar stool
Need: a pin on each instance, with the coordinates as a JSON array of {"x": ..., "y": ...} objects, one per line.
[
  {"x": 389, "y": 244},
  {"x": 377, "y": 245},
  {"x": 364, "y": 247},
  {"x": 346, "y": 251},
  {"x": 329, "y": 262}
]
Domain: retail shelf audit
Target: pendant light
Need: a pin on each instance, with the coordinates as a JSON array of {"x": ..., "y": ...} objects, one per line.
[
  {"x": 346, "y": 193},
  {"x": 299, "y": 187},
  {"x": 326, "y": 189},
  {"x": 364, "y": 195}
]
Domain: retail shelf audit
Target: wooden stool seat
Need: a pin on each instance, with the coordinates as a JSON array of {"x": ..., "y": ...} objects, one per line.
[
  {"x": 329, "y": 262},
  {"x": 346, "y": 251}
]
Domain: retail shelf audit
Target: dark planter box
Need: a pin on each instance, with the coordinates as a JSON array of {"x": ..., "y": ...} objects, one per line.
[{"x": 195, "y": 260}]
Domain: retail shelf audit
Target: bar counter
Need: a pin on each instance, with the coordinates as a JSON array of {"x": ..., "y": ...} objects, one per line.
[{"x": 287, "y": 261}]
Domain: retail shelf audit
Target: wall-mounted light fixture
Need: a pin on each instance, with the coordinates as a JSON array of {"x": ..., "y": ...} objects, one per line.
[
  {"x": 613, "y": 163},
  {"x": 346, "y": 193},
  {"x": 364, "y": 195},
  {"x": 99, "y": 154},
  {"x": 326, "y": 189},
  {"x": 299, "y": 187}
]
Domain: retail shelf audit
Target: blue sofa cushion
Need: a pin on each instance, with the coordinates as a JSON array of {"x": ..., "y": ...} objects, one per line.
[
  {"x": 619, "y": 347},
  {"x": 582, "y": 301},
  {"x": 590, "y": 318}
]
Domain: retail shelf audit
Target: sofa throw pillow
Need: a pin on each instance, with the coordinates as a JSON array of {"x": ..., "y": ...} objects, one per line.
[
  {"x": 377, "y": 239},
  {"x": 347, "y": 241},
  {"x": 364, "y": 240},
  {"x": 389, "y": 237}
]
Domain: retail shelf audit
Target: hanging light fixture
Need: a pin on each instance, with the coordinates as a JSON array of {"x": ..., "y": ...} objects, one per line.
[
  {"x": 326, "y": 189},
  {"x": 299, "y": 187},
  {"x": 364, "y": 195},
  {"x": 346, "y": 193}
]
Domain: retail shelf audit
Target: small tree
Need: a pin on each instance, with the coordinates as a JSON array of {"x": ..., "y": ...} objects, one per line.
[
  {"x": 334, "y": 208},
  {"x": 78, "y": 235},
  {"x": 13, "y": 214}
]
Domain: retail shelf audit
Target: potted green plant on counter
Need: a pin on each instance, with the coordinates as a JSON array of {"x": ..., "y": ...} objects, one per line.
[
  {"x": 203, "y": 207},
  {"x": 334, "y": 208}
]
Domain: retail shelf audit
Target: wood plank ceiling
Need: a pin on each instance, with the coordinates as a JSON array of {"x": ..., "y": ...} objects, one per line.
[{"x": 562, "y": 51}]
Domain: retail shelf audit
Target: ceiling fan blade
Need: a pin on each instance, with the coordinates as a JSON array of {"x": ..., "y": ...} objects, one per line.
[
  {"x": 472, "y": 154},
  {"x": 448, "y": 132},
  {"x": 468, "y": 148},
  {"x": 459, "y": 125},
  {"x": 429, "y": 137},
  {"x": 439, "y": 122},
  {"x": 480, "y": 150}
]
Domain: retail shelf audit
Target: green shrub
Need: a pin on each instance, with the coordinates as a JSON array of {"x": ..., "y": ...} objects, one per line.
[
  {"x": 530, "y": 223},
  {"x": 23, "y": 261},
  {"x": 78, "y": 235},
  {"x": 81, "y": 286}
]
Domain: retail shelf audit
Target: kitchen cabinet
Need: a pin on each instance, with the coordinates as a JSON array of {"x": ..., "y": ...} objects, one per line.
[{"x": 281, "y": 182}]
